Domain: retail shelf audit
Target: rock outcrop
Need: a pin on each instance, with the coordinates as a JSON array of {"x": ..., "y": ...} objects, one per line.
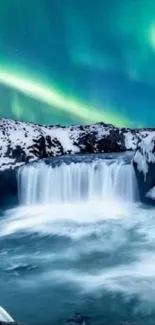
[{"x": 144, "y": 162}]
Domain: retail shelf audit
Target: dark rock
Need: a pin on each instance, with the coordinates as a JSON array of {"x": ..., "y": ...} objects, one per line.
[
  {"x": 53, "y": 145},
  {"x": 38, "y": 148},
  {"x": 17, "y": 153},
  {"x": 8, "y": 187}
]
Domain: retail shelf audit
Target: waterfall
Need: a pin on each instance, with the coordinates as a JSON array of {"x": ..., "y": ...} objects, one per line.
[{"x": 100, "y": 179}]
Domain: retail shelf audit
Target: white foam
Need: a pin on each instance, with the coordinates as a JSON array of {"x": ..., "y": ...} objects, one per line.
[
  {"x": 111, "y": 223},
  {"x": 76, "y": 220}
]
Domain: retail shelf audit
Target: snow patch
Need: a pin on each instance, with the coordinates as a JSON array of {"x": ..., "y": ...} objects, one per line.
[
  {"x": 151, "y": 193},
  {"x": 145, "y": 154},
  {"x": 130, "y": 141}
]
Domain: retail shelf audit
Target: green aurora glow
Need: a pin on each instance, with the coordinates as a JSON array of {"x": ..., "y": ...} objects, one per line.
[
  {"x": 78, "y": 61},
  {"x": 48, "y": 95}
]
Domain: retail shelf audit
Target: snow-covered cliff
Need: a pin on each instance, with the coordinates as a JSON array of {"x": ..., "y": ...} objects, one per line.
[
  {"x": 145, "y": 154},
  {"x": 22, "y": 142},
  {"x": 144, "y": 162}
]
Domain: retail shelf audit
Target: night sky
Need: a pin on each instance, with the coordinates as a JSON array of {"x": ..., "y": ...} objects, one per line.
[{"x": 78, "y": 61}]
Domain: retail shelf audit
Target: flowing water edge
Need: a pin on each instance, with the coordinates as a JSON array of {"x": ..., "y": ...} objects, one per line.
[{"x": 79, "y": 241}]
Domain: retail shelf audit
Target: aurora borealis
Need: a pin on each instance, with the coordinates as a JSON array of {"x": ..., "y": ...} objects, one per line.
[{"x": 78, "y": 61}]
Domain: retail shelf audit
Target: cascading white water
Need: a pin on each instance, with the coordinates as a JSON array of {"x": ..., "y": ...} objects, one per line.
[{"x": 102, "y": 180}]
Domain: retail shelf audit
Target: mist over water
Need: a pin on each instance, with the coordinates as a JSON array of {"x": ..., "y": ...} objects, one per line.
[{"x": 79, "y": 241}]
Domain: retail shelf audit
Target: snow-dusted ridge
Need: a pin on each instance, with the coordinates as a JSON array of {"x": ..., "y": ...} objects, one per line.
[{"x": 22, "y": 142}]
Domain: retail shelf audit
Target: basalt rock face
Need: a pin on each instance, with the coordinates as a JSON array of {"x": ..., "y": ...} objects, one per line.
[{"x": 144, "y": 163}]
